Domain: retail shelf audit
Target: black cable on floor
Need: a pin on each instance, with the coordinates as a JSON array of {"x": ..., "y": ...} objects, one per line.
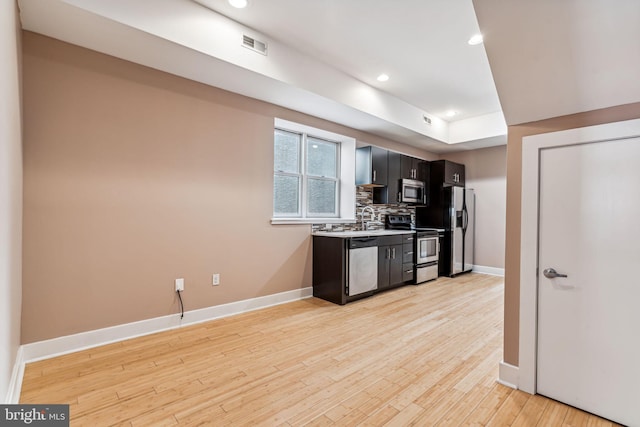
[{"x": 181, "y": 305}]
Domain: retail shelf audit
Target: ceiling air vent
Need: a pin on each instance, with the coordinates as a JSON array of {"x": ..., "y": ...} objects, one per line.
[
  {"x": 253, "y": 44},
  {"x": 426, "y": 119}
]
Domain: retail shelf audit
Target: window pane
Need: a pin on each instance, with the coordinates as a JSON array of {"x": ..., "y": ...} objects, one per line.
[
  {"x": 321, "y": 158},
  {"x": 286, "y": 195},
  {"x": 321, "y": 196},
  {"x": 286, "y": 152}
]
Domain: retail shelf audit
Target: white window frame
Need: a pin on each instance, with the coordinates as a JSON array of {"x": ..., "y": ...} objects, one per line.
[{"x": 346, "y": 190}]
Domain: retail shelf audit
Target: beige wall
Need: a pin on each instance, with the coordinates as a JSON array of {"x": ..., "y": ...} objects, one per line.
[
  {"x": 514, "y": 180},
  {"x": 133, "y": 178},
  {"x": 486, "y": 171},
  {"x": 10, "y": 192}
]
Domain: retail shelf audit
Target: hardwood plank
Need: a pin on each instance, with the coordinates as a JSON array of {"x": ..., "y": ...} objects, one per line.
[{"x": 418, "y": 355}]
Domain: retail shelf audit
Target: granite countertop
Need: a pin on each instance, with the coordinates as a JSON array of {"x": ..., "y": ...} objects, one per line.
[{"x": 361, "y": 233}]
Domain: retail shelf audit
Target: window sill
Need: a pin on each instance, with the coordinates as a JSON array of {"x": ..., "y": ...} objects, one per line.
[{"x": 280, "y": 221}]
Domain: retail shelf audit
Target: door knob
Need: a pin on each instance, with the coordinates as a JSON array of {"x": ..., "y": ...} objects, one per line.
[{"x": 551, "y": 273}]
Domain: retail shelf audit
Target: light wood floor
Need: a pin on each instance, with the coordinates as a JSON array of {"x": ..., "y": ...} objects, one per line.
[{"x": 419, "y": 355}]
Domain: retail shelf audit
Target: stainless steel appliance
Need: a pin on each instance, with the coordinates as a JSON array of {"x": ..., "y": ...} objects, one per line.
[
  {"x": 363, "y": 265},
  {"x": 462, "y": 219},
  {"x": 411, "y": 191},
  {"x": 427, "y": 246},
  {"x": 452, "y": 210},
  {"x": 427, "y": 255}
]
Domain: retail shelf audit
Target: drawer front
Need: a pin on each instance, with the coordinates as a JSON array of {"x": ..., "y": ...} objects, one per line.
[
  {"x": 408, "y": 253},
  {"x": 390, "y": 240},
  {"x": 427, "y": 272},
  {"x": 407, "y": 272}
]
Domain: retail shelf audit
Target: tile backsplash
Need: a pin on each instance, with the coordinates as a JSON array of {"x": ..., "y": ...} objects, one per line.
[{"x": 364, "y": 197}]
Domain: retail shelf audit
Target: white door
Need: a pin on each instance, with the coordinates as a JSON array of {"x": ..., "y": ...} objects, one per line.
[{"x": 589, "y": 322}]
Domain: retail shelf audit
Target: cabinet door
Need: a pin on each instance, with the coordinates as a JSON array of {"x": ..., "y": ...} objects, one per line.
[
  {"x": 378, "y": 166},
  {"x": 371, "y": 166},
  {"x": 384, "y": 255},
  {"x": 407, "y": 167},
  {"x": 410, "y": 168},
  {"x": 424, "y": 172},
  {"x": 393, "y": 177},
  {"x": 422, "y": 167},
  {"x": 395, "y": 265},
  {"x": 453, "y": 174}
]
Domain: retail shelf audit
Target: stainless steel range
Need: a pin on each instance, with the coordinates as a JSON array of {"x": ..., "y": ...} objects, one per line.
[{"x": 427, "y": 254}]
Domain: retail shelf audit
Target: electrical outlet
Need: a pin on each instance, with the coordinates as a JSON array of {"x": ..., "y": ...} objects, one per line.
[
  {"x": 179, "y": 284},
  {"x": 216, "y": 279}
]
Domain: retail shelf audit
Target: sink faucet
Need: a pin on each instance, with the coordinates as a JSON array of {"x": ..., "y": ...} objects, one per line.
[{"x": 365, "y": 226}]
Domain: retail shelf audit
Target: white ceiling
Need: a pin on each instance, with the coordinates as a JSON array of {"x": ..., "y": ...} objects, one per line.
[
  {"x": 421, "y": 44},
  {"x": 551, "y": 58},
  {"x": 323, "y": 57}
]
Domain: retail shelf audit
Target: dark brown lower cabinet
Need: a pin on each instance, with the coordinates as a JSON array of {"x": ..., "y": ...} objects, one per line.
[
  {"x": 331, "y": 266},
  {"x": 390, "y": 265}
]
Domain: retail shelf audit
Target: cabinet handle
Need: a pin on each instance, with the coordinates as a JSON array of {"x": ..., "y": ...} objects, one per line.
[
  {"x": 393, "y": 253},
  {"x": 374, "y": 175}
]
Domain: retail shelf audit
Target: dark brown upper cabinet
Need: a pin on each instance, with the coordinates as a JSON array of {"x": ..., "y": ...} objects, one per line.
[
  {"x": 447, "y": 173},
  {"x": 412, "y": 168},
  {"x": 371, "y": 166}
]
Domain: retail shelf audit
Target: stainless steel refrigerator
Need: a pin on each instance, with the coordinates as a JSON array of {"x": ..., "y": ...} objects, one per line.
[
  {"x": 462, "y": 212},
  {"x": 452, "y": 211}
]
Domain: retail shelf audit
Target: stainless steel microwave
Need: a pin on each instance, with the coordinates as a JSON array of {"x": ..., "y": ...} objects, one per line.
[{"x": 411, "y": 191}]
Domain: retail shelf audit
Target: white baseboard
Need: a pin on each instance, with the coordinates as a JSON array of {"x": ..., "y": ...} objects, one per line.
[
  {"x": 72, "y": 343},
  {"x": 15, "y": 384},
  {"x": 508, "y": 375},
  {"x": 494, "y": 271}
]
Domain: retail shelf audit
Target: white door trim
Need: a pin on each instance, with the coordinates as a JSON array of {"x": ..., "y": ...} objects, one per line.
[{"x": 531, "y": 147}]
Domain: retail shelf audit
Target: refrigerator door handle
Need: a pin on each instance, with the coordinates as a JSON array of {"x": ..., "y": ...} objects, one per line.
[{"x": 465, "y": 219}]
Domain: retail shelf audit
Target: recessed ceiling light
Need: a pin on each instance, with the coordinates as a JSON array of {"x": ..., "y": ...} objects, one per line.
[
  {"x": 451, "y": 113},
  {"x": 239, "y": 4},
  {"x": 383, "y": 77},
  {"x": 476, "y": 39}
]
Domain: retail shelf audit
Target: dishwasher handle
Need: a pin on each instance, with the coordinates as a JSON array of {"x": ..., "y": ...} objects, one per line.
[{"x": 362, "y": 242}]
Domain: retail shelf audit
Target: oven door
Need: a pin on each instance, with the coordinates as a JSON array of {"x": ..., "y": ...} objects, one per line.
[{"x": 427, "y": 249}]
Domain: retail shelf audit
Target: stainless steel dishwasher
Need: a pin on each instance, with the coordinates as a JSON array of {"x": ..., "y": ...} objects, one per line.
[{"x": 363, "y": 265}]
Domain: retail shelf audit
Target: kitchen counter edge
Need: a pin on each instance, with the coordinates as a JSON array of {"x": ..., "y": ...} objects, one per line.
[{"x": 361, "y": 233}]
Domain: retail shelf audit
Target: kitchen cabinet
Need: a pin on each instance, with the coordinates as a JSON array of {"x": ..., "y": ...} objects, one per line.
[
  {"x": 446, "y": 173},
  {"x": 334, "y": 253},
  {"x": 390, "y": 265},
  {"x": 408, "y": 258},
  {"x": 404, "y": 167},
  {"x": 412, "y": 168},
  {"x": 394, "y": 175},
  {"x": 371, "y": 166}
]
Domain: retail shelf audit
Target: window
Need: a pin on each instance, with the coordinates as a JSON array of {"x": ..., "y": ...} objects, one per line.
[{"x": 310, "y": 182}]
